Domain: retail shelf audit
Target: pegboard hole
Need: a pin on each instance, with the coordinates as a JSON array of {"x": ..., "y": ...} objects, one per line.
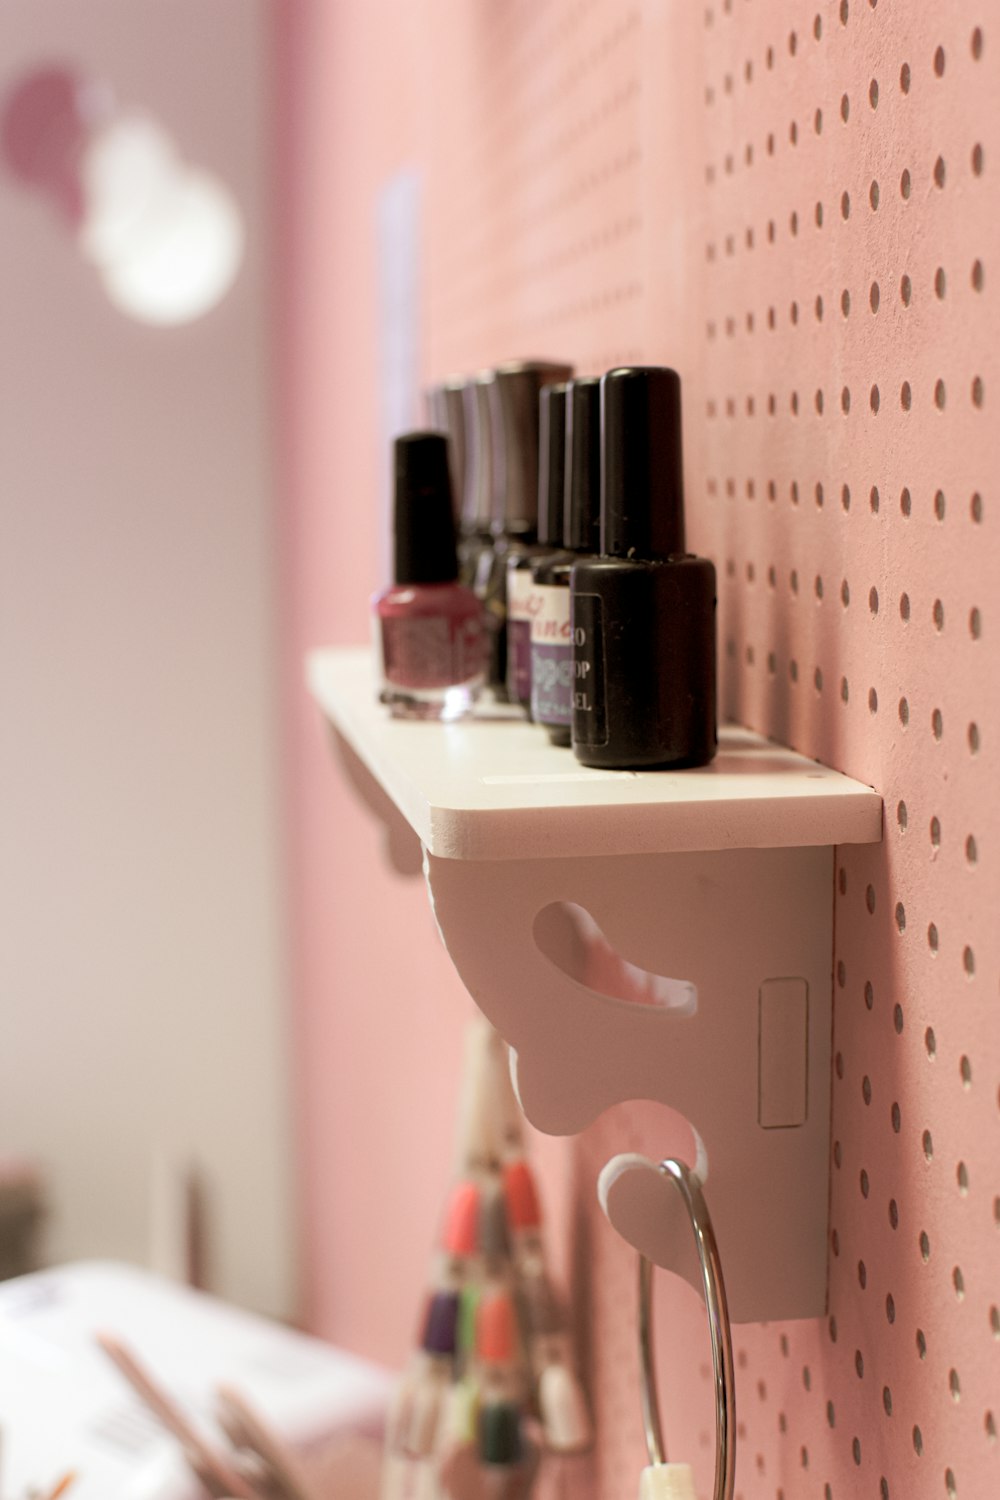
[
  {"x": 976, "y": 508},
  {"x": 818, "y": 307},
  {"x": 859, "y": 1364},
  {"x": 978, "y": 391},
  {"x": 904, "y": 78},
  {"x": 950, "y": 1486},
  {"x": 937, "y": 615},
  {"x": 940, "y": 283},
  {"x": 939, "y": 172},
  {"x": 977, "y": 276},
  {"x": 873, "y": 196},
  {"x": 905, "y": 183},
  {"x": 845, "y": 490},
  {"x": 818, "y": 122},
  {"x": 904, "y": 712},
  {"x": 845, "y": 406},
  {"x": 937, "y": 724},
  {"x": 893, "y": 1214},
  {"x": 845, "y": 108},
  {"x": 921, "y": 1343},
  {"x": 925, "y": 1246},
  {"x": 866, "y": 1089},
  {"x": 995, "y": 1321},
  {"x": 902, "y": 815},
  {"x": 905, "y": 290},
  {"x": 870, "y": 899},
  {"x": 968, "y": 961},
  {"x": 872, "y": 701},
  {"x": 973, "y": 738},
  {"x": 965, "y": 1072},
  {"x": 904, "y": 607},
  {"x": 905, "y": 501},
  {"x": 990, "y": 1424},
  {"x": 930, "y": 1042},
  {"x": 971, "y": 850},
  {"x": 976, "y": 43},
  {"x": 845, "y": 303},
  {"x": 900, "y": 914},
  {"x": 939, "y": 62},
  {"x": 927, "y": 1142},
  {"x": 845, "y": 593},
  {"x": 905, "y": 396},
  {"x": 962, "y": 1179},
  {"x": 940, "y": 395},
  {"x": 958, "y": 1282},
  {"x": 869, "y": 994},
  {"x": 873, "y": 591},
  {"x": 939, "y": 505},
  {"x": 935, "y": 831},
  {"x": 897, "y": 1021},
  {"x": 856, "y": 1450},
  {"x": 873, "y": 495},
  {"x": 890, "y": 1308},
  {"x": 918, "y": 1441},
  {"x": 873, "y": 93},
  {"x": 874, "y": 297}
]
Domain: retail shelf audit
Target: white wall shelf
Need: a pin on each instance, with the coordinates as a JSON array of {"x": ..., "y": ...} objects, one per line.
[
  {"x": 493, "y": 788},
  {"x": 653, "y": 935}
]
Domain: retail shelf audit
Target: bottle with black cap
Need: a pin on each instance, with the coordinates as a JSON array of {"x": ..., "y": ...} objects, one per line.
[
  {"x": 430, "y": 626},
  {"x": 575, "y": 475},
  {"x": 476, "y": 527},
  {"x": 521, "y": 563},
  {"x": 514, "y": 393},
  {"x": 643, "y": 613}
]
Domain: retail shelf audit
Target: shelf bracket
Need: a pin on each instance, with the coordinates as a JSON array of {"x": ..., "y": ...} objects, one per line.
[{"x": 746, "y": 1062}]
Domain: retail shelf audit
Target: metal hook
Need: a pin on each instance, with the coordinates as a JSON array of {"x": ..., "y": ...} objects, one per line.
[{"x": 689, "y": 1187}]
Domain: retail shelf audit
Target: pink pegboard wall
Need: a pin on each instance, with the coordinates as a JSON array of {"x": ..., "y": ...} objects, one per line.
[{"x": 794, "y": 205}]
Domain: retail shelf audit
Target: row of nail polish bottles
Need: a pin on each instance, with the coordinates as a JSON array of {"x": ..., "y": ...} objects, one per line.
[{"x": 581, "y": 582}]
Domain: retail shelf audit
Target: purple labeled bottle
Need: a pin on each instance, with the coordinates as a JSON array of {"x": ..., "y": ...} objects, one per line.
[
  {"x": 514, "y": 393},
  {"x": 551, "y": 633}
]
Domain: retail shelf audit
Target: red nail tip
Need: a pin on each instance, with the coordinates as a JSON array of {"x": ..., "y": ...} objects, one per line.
[
  {"x": 496, "y": 1329},
  {"x": 523, "y": 1208},
  {"x": 461, "y": 1221}
]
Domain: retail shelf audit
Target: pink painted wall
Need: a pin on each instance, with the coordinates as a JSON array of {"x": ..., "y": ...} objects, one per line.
[{"x": 794, "y": 207}]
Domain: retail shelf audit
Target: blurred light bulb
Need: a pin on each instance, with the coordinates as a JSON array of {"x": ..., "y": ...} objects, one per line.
[{"x": 165, "y": 237}]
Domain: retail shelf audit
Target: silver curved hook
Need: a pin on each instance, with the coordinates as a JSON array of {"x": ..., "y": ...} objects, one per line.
[{"x": 689, "y": 1187}]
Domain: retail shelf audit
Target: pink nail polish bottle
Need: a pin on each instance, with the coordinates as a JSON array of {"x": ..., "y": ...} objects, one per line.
[{"x": 430, "y": 625}]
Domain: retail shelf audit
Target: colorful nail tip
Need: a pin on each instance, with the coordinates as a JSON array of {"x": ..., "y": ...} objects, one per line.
[
  {"x": 500, "y": 1434},
  {"x": 496, "y": 1329},
  {"x": 523, "y": 1207},
  {"x": 461, "y": 1224},
  {"x": 563, "y": 1409},
  {"x": 441, "y": 1326}
]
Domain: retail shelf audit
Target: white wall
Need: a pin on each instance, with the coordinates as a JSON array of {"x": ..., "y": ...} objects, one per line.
[{"x": 142, "y": 997}]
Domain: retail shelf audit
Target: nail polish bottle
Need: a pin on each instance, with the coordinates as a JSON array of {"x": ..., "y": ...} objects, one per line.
[
  {"x": 476, "y": 530},
  {"x": 513, "y": 395},
  {"x": 643, "y": 613},
  {"x": 430, "y": 626},
  {"x": 446, "y": 413},
  {"x": 551, "y": 635},
  {"x": 521, "y": 565}
]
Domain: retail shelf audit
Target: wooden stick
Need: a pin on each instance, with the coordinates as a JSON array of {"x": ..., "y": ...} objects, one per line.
[
  {"x": 244, "y": 1425},
  {"x": 212, "y": 1466}
]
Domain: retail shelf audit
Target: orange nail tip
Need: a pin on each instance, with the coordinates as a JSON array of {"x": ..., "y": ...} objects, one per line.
[
  {"x": 496, "y": 1329},
  {"x": 461, "y": 1221},
  {"x": 523, "y": 1208}
]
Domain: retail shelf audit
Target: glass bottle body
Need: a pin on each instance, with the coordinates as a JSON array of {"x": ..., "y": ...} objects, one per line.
[{"x": 432, "y": 649}]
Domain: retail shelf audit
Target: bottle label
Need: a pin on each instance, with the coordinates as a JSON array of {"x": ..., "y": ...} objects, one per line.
[
  {"x": 519, "y": 589},
  {"x": 590, "y": 726},
  {"x": 551, "y": 655}
]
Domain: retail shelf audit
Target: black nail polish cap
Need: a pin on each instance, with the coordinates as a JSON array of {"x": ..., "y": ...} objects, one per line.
[
  {"x": 642, "y": 502},
  {"x": 551, "y": 463},
  {"x": 424, "y": 522},
  {"x": 582, "y": 509},
  {"x": 514, "y": 393}
]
